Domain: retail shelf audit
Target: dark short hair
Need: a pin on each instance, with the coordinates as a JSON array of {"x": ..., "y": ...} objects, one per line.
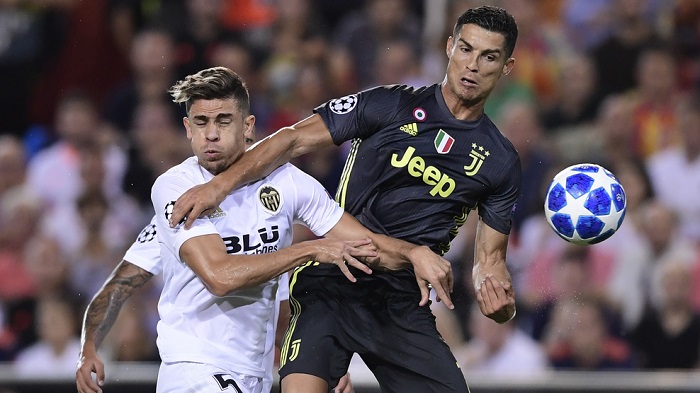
[
  {"x": 216, "y": 83},
  {"x": 493, "y": 19}
]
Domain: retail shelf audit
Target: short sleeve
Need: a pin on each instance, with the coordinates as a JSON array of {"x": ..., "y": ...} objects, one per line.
[
  {"x": 313, "y": 208},
  {"x": 166, "y": 189},
  {"x": 145, "y": 251},
  {"x": 360, "y": 115},
  {"x": 498, "y": 208}
]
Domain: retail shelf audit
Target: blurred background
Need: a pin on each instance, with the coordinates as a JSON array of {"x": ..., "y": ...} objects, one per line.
[{"x": 86, "y": 127}]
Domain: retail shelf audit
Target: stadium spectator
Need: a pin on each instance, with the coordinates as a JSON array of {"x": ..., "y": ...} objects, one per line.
[
  {"x": 574, "y": 272},
  {"x": 668, "y": 336},
  {"x": 629, "y": 243},
  {"x": 366, "y": 32},
  {"x": 152, "y": 71},
  {"x": 575, "y": 105},
  {"x": 616, "y": 56},
  {"x": 53, "y": 172},
  {"x": 501, "y": 350},
  {"x": 20, "y": 211},
  {"x": 155, "y": 147},
  {"x": 678, "y": 168},
  {"x": 124, "y": 218},
  {"x": 654, "y": 101},
  {"x": 579, "y": 338},
  {"x": 53, "y": 356}
]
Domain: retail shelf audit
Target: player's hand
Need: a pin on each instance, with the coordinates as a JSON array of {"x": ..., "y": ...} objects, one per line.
[
  {"x": 496, "y": 298},
  {"x": 200, "y": 200},
  {"x": 88, "y": 364},
  {"x": 344, "y": 385},
  {"x": 345, "y": 253},
  {"x": 433, "y": 271}
]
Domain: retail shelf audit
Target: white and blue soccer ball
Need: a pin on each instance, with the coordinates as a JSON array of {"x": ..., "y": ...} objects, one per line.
[{"x": 585, "y": 204}]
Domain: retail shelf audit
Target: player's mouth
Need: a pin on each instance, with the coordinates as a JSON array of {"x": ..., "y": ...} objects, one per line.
[
  {"x": 212, "y": 154},
  {"x": 469, "y": 82}
]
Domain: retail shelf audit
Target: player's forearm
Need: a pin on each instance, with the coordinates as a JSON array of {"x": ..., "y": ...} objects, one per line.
[
  {"x": 103, "y": 309},
  {"x": 224, "y": 274},
  {"x": 394, "y": 253},
  {"x": 258, "y": 162},
  {"x": 273, "y": 151}
]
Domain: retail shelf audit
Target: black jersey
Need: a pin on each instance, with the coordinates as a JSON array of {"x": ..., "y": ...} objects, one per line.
[{"x": 414, "y": 172}]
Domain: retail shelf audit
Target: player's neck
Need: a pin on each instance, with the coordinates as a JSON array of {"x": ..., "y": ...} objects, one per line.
[{"x": 462, "y": 109}]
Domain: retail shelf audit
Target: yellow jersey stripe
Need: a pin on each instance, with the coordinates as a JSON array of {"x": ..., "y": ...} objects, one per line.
[
  {"x": 295, "y": 309},
  {"x": 345, "y": 176}
]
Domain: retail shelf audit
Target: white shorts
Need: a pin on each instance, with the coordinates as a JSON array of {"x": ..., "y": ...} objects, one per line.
[{"x": 189, "y": 377}]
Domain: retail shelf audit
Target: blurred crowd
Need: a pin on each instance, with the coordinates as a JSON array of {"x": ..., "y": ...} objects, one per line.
[{"x": 87, "y": 126}]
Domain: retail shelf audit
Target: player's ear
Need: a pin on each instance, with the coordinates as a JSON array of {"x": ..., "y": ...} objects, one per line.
[
  {"x": 186, "y": 123},
  {"x": 249, "y": 124},
  {"x": 508, "y": 66},
  {"x": 448, "y": 49}
]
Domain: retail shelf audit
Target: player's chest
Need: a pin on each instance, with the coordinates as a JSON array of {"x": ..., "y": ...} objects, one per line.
[
  {"x": 444, "y": 159},
  {"x": 254, "y": 221}
]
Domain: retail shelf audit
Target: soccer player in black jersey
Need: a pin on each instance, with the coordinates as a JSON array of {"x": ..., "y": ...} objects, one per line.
[{"x": 421, "y": 160}]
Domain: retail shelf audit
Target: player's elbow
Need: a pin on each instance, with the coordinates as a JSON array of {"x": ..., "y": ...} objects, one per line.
[{"x": 220, "y": 286}]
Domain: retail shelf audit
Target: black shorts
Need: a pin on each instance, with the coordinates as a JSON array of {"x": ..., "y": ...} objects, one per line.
[{"x": 332, "y": 318}]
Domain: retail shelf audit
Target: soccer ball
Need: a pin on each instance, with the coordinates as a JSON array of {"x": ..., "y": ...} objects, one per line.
[{"x": 585, "y": 204}]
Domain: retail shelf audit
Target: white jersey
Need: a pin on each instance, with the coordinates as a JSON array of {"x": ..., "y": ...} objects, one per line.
[
  {"x": 237, "y": 331},
  {"x": 145, "y": 253}
]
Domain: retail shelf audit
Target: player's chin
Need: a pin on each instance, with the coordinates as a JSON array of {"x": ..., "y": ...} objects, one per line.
[{"x": 214, "y": 166}]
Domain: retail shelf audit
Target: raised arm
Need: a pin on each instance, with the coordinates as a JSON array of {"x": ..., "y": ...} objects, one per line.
[
  {"x": 259, "y": 161},
  {"x": 100, "y": 315},
  {"x": 224, "y": 273},
  {"x": 394, "y": 254},
  {"x": 492, "y": 282}
]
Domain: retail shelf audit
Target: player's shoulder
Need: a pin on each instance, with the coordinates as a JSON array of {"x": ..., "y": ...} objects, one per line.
[
  {"x": 489, "y": 126},
  {"x": 403, "y": 92},
  {"x": 188, "y": 168},
  {"x": 286, "y": 174}
]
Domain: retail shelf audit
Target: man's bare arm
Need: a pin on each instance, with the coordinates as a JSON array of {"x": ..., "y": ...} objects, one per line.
[
  {"x": 395, "y": 254},
  {"x": 100, "y": 316},
  {"x": 259, "y": 161},
  {"x": 492, "y": 282},
  {"x": 223, "y": 273}
]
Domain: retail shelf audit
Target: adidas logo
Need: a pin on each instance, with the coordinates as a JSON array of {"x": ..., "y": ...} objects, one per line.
[
  {"x": 411, "y": 129},
  {"x": 217, "y": 213}
]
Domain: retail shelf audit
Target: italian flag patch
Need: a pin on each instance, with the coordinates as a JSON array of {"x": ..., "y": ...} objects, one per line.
[{"x": 443, "y": 142}]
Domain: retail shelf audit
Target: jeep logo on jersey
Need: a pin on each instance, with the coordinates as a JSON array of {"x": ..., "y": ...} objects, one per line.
[
  {"x": 270, "y": 199},
  {"x": 478, "y": 155},
  {"x": 343, "y": 105},
  {"x": 443, "y": 142},
  {"x": 443, "y": 185}
]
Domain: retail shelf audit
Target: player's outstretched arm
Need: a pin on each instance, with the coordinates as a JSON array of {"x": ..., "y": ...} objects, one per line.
[
  {"x": 394, "y": 254},
  {"x": 259, "y": 161},
  {"x": 492, "y": 282},
  {"x": 99, "y": 318},
  {"x": 222, "y": 273}
]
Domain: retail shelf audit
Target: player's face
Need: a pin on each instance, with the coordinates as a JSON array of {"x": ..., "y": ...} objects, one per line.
[
  {"x": 476, "y": 60},
  {"x": 217, "y": 131}
]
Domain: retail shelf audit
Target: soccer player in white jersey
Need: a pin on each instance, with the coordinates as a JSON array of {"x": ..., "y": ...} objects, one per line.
[
  {"x": 221, "y": 275},
  {"x": 140, "y": 263}
]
